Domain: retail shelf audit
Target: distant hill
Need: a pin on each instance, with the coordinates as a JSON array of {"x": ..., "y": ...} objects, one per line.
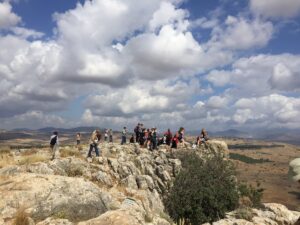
[
  {"x": 4, "y": 136},
  {"x": 232, "y": 133}
]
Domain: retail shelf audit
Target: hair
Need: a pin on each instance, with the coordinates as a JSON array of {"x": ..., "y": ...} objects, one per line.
[
  {"x": 181, "y": 129},
  {"x": 55, "y": 133}
]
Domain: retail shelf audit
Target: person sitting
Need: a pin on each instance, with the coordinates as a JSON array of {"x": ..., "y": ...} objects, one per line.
[
  {"x": 131, "y": 140},
  {"x": 203, "y": 137},
  {"x": 175, "y": 140}
]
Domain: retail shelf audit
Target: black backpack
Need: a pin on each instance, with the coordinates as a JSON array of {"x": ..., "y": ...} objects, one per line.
[{"x": 53, "y": 141}]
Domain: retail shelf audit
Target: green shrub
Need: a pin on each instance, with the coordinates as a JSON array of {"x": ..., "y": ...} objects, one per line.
[
  {"x": 203, "y": 191},
  {"x": 255, "y": 194}
]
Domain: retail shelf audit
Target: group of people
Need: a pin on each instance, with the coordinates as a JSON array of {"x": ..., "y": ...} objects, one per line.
[{"x": 145, "y": 137}]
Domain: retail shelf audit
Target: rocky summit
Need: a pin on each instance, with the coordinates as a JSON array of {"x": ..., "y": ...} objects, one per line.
[{"x": 124, "y": 186}]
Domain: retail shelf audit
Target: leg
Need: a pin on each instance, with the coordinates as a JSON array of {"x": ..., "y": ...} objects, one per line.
[
  {"x": 90, "y": 151},
  {"x": 96, "y": 150}
]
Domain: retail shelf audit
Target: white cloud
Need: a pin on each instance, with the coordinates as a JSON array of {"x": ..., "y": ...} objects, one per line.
[
  {"x": 168, "y": 14},
  {"x": 7, "y": 17},
  {"x": 276, "y": 8},
  {"x": 275, "y": 110},
  {"x": 240, "y": 34},
  {"x": 26, "y": 33},
  {"x": 33, "y": 120},
  {"x": 260, "y": 75}
]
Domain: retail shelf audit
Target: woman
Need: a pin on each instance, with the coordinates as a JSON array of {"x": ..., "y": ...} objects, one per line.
[
  {"x": 78, "y": 137},
  {"x": 181, "y": 135}
]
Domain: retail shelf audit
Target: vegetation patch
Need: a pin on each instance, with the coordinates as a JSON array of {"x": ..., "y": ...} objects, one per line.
[
  {"x": 255, "y": 194},
  {"x": 27, "y": 160},
  {"x": 203, "y": 191},
  {"x": 65, "y": 152},
  {"x": 252, "y": 147},
  {"x": 247, "y": 159}
]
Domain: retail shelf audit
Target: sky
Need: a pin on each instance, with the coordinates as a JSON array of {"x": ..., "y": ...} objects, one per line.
[{"x": 219, "y": 64}]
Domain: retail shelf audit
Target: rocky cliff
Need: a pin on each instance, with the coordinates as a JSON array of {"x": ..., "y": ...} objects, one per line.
[{"x": 122, "y": 187}]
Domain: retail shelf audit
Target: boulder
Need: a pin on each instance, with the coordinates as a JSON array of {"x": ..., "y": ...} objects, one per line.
[{"x": 50, "y": 195}]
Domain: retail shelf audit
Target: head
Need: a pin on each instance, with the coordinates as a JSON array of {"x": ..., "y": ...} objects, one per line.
[
  {"x": 169, "y": 130},
  {"x": 55, "y": 133},
  {"x": 78, "y": 134},
  {"x": 181, "y": 130},
  {"x": 124, "y": 128}
]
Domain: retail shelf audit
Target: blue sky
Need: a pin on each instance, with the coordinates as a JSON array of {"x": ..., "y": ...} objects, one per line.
[{"x": 220, "y": 64}]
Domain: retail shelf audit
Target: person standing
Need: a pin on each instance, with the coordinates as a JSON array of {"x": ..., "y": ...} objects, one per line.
[
  {"x": 154, "y": 139},
  {"x": 169, "y": 136},
  {"x": 137, "y": 132},
  {"x": 110, "y": 134},
  {"x": 54, "y": 145},
  {"x": 124, "y": 132},
  {"x": 94, "y": 140},
  {"x": 78, "y": 138},
  {"x": 106, "y": 135}
]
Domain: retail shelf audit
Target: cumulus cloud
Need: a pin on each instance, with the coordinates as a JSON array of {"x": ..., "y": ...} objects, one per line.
[
  {"x": 33, "y": 120},
  {"x": 247, "y": 33},
  {"x": 276, "y": 8},
  {"x": 260, "y": 75},
  {"x": 7, "y": 17},
  {"x": 273, "y": 110},
  {"x": 141, "y": 61}
]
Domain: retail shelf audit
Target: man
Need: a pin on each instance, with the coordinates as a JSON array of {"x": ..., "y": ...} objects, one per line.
[
  {"x": 54, "y": 145},
  {"x": 124, "y": 132},
  {"x": 137, "y": 132}
]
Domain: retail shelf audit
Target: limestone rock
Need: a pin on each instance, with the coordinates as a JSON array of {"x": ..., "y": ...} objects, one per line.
[{"x": 48, "y": 195}]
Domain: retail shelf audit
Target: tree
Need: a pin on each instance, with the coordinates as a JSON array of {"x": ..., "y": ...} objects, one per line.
[{"x": 203, "y": 191}]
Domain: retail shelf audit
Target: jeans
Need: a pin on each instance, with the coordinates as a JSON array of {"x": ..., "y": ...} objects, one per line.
[
  {"x": 91, "y": 149},
  {"x": 123, "y": 140}
]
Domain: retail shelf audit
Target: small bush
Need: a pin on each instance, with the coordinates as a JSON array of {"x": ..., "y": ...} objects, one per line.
[
  {"x": 255, "y": 194},
  {"x": 74, "y": 171},
  {"x": 21, "y": 217},
  {"x": 244, "y": 213},
  {"x": 203, "y": 191}
]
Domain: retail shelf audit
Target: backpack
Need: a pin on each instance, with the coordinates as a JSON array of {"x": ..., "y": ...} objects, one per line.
[{"x": 53, "y": 141}]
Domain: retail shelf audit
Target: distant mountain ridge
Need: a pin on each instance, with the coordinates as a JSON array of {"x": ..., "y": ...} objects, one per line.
[{"x": 279, "y": 135}]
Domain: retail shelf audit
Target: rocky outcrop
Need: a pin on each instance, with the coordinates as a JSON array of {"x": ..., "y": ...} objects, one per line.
[
  {"x": 50, "y": 195},
  {"x": 270, "y": 214},
  {"x": 123, "y": 186}
]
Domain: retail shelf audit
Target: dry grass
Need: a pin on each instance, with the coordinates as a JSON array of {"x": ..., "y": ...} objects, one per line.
[
  {"x": 26, "y": 160},
  {"x": 6, "y": 160},
  {"x": 70, "y": 152},
  {"x": 29, "y": 152},
  {"x": 21, "y": 217},
  {"x": 5, "y": 150}
]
